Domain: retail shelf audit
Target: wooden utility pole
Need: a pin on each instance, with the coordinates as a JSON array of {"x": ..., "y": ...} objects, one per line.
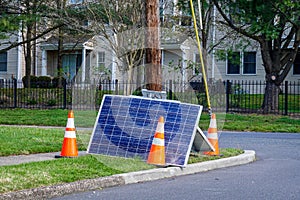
[{"x": 153, "y": 53}]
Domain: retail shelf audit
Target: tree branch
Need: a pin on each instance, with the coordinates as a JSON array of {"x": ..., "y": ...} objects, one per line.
[
  {"x": 229, "y": 23},
  {"x": 13, "y": 45}
]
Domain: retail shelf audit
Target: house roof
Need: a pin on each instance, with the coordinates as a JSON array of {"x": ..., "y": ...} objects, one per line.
[
  {"x": 169, "y": 41},
  {"x": 69, "y": 42}
]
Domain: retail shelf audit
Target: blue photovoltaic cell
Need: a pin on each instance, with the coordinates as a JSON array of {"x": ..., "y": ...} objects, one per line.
[{"x": 125, "y": 127}]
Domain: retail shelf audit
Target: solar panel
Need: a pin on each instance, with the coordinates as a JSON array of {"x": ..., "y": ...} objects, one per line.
[{"x": 125, "y": 126}]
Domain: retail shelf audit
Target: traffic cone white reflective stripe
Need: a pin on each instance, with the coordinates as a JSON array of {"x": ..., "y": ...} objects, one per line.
[
  {"x": 158, "y": 140},
  {"x": 160, "y": 126},
  {"x": 213, "y": 121},
  {"x": 70, "y": 134},
  {"x": 70, "y": 123},
  {"x": 213, "y": 135}
]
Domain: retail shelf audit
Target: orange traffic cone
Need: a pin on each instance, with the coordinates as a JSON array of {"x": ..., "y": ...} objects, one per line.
[
  {"x": 212, "y": 136},
  {"x": 69, "y": 147},
  {"x": 157, "y": 151}
]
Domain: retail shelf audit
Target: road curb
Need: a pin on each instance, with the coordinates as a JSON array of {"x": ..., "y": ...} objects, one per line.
[
  {"x": 128, "y": 178},
  {"x": 158, "y": 173}
]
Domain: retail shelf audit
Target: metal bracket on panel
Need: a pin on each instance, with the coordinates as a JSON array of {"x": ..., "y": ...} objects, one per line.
[
  {"x": 154, "y": 94},
  {"x": 201, "y": 142}
]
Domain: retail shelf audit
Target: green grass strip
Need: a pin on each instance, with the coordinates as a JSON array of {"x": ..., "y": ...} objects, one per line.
[
  {"x": 65, "y": 170},
  {"x": 37, "y": 174},
  {"x": 226, "y": 121},
  {"x": 18, "y": 140}
]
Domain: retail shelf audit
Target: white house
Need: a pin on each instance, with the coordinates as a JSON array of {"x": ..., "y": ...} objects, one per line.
[{"x": 92, "y": 59}]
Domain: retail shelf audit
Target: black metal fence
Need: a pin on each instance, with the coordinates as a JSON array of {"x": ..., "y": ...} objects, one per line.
[{"x": 225, "y": 96}]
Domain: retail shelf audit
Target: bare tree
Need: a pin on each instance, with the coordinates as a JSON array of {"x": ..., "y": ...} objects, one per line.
[{"x": 120, "y": 25}]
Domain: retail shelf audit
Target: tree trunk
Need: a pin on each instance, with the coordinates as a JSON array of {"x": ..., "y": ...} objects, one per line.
[
  {"x": 153, "y": 54},
  {"x": 270, "y": 103},
  {"x": 60, "y": 5},
  {"x": 28, "y": 55},
  {"x": 59, "y": 57},
  {"x": 130, "y": 84}
]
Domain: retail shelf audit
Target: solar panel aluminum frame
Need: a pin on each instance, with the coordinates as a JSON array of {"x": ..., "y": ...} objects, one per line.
[{"x": 178, "y": 143}]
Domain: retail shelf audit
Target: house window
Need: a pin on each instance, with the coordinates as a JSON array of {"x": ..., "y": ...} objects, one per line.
[
  {"x": 247, "y": 60},
  {"x": 3, "y": 62},
  {"x": 296, "y": 68},
  {"x": 233, "y": 63},
  {"x": 249, "y": 63},
  {"x": 101, "y": 59}
]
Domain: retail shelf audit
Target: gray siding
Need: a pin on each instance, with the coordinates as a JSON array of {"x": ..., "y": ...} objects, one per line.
[{"x": 12, "y": 62}]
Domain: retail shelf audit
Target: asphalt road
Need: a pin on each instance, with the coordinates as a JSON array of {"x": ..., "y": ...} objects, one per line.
[{"x": 275, "y": 175}]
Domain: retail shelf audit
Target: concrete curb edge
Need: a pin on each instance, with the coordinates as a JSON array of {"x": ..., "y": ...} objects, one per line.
[{"x": 128, "y": 178}]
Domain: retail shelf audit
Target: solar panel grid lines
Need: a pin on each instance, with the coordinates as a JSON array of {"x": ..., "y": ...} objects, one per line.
[{"x": 125, "y": 126}]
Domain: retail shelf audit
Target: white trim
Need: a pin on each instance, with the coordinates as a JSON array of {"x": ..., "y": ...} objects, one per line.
[
  {"x": 44, "y": 63},
  {"x": 83, "y": 64},
  {"x": 213, "y": 43},
  {"x": 113, "y": 68},
  {"x": 19, "y": 70},
  {"x": 184, "y": 57}
]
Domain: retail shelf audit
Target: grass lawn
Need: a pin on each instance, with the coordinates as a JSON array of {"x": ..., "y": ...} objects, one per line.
[
  {"x": 232, "y": 122},
  {"x": 25, "y": 140},
  {"x": 21, "y": 140},
  {"x": 64, "y": 170}
]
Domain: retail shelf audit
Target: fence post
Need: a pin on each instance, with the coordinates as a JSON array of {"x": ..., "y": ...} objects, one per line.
[
  {"x": 65, "y": 95},
  {"x": 15, "y": 92},
  {"x": 170, "y": 90},
  {"x": 228, "y": 85},
  {"x": 109, "y": 85},
  {"x": 116, "y": 86},
  {"x": 286, "y": 96}
]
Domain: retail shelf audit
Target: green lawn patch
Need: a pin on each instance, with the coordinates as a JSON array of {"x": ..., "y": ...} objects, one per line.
[
  {"x": 22, "y": 140},
  {"x": 64, "y": 170},
  {"x": 253, "y": 122},
  {"x": 232, "y": 122},
  {"x": 224, "y": 153}
]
